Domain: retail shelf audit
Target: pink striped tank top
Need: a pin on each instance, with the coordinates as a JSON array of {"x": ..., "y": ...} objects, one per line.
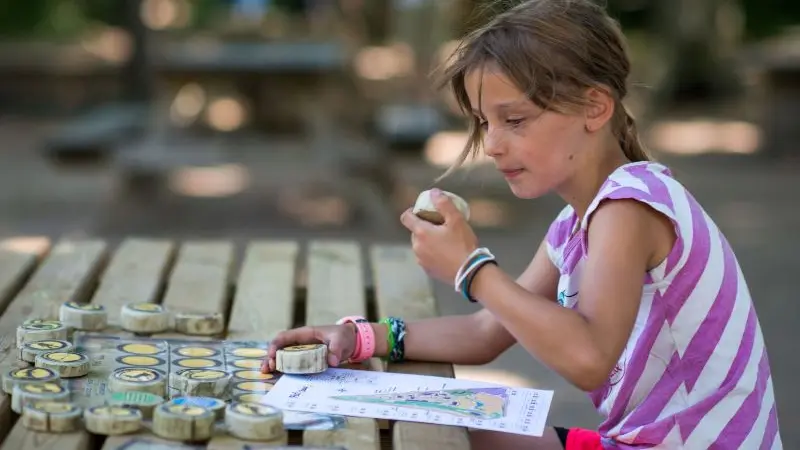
[{"x": 695, "y": 373}]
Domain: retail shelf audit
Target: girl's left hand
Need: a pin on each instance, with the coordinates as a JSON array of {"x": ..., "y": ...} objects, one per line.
[{"x": 441, "y": 249}]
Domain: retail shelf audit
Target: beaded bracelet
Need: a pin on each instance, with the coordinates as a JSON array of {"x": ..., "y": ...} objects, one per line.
[{"x": 395, "y": 338}]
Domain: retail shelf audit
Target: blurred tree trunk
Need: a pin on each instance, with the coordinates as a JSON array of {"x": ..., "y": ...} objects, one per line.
[
  {"x": 698, "y": 38},
  {"x": 137, "y": 73}
]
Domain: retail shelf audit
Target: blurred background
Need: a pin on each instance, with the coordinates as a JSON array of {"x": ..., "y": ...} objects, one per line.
[{"x": 305, "y": 119}]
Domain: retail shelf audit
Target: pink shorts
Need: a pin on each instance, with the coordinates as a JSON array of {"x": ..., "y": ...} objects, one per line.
[{"x": 579, "y": 439}]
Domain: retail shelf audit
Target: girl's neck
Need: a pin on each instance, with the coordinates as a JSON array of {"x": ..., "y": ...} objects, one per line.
[{"x": 589, "y": 176}]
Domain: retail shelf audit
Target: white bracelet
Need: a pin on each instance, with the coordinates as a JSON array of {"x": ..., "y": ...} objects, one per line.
[
  {"x": 473, "y": 261},
  {"x": 469, "y": 257}
]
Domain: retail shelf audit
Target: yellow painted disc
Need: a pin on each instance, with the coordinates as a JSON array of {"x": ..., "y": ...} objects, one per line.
[
  {"x": 140, "y": 349},
  {"x": 300, "y": 348},
  {"x": 39, "y": 324},
  {"x": 41, "y": 388},
  {"x": 196, "y": 352},
  {"x": 119, "y": 411},
  {"x": 146, "y": 307},
  {"x": 253, "y": 375},
  {"x": 85, "y": 306},
  {"x": 250, "y": 398},
  {"x": 33, "y": 373},
  {"x": 140, "y": 360},
  {"x": 64, "y": 357},
  {"x": 46, "y": 345},
  {"x": 197, "y": 363},
  {"x": 204, "y": 374},
  {"x": 247, "y": 352},
  {"x": 253, "y": 386},
  {"x": 247, "y": 363},
  {"x": 142, "y": 375},
  {"x": 186, "y": 410},
  {"x": 53, "y": 407},
  {"x": 254, "y": 409}
]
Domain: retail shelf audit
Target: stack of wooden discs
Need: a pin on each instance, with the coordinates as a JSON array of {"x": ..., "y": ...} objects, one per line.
[{"x": 181, "y": 422}]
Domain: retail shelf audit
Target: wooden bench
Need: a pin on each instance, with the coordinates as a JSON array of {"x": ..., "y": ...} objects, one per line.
[
  {"x": 92, "y": 137},
  {"x": 261, "y": 288}
]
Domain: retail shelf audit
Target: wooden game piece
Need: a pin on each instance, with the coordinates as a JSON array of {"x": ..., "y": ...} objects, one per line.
[
  {"x": 83, "y": 316},
  {"x": 27, "y": 393},
  {"x": 183, "y": 422},
  {"x": 39, "y": 329},
  {"x": 302, "y": 359},
  {"x": 255, "y": 422},
  {"x": 425, "y": 209},
  {"x": 112, "y": 420},
  {"x": 66, "y": 364},
  {"x": 199, "y": 324},
  {"x": 204, "y": 383},
  {"x": 145, "y": 402},
  {"x": 29, "y": 350},
  {"x": 137, "y": 379},
  {"x": 28, "y": 375},
  {"x": 51, "y": 417},
  {"x": 144, "y": 318},
  {"x": 215, "y": 405}
]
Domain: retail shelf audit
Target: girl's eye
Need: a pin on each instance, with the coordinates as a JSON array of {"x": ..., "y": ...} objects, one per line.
[{"x": 514, "y": 122}]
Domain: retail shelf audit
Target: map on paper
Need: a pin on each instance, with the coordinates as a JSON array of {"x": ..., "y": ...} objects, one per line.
[{"x": 414, "y": 398}]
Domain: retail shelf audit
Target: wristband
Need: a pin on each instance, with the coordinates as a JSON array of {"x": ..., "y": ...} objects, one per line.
[
  {"x": 467, "y": 285},
  {"x": 365, "y": 338}
]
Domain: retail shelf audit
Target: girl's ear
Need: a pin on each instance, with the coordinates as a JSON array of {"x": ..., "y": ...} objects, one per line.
[{"x": 599, "y": 109}]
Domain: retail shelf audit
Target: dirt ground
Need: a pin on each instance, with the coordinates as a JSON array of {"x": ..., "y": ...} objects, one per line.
[{"x": 753, "y": 199}]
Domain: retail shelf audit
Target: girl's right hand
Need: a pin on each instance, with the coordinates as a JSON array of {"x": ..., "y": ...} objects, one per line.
[{"x": 340, "y": 339}]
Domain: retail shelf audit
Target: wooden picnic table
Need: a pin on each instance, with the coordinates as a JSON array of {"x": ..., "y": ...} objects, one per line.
[{"x": 274, "y": 285}]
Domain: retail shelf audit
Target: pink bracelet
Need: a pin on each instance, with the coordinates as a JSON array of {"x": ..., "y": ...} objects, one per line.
[{"x": 365, "y": 338}]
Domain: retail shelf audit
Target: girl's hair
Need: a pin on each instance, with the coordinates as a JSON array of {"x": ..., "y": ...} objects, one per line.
[{"x": 553, "y": 50}]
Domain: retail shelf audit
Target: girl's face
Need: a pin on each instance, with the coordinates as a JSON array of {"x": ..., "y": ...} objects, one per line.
[{"x": 535, "y": 150}]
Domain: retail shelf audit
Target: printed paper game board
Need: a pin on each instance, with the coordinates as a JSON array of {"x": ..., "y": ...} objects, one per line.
[
  {"x": 415, "y": 398},
  {"x": 168, "y": 356}
]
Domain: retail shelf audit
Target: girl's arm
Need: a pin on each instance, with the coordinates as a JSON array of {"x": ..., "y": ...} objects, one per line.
[
  {"x": 476, "y": 338},
  {"x": 584, "y": 344}
]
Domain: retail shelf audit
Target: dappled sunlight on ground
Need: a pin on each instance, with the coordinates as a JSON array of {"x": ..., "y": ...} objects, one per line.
[
  {"x": 34, "y": 245},
  {"x": 219, "y": 181},
  {"x": 697, "y": 136}
]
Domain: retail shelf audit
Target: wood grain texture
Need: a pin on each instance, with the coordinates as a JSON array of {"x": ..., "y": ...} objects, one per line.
[
  {"x": 200, "y": 280},
  {"x": 263, "y": 304},
  {"x": 403, "y": 289},
  {"x": 136, "y": 273},
  {"x": 336, "y": 289},
  {"x": 68, "y": 273}
]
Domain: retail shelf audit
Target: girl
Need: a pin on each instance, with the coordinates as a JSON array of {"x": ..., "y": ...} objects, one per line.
[{"x": 662, "y": 330}]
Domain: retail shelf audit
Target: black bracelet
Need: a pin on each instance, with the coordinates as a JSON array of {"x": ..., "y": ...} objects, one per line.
[{"x": 468, "y": 284}]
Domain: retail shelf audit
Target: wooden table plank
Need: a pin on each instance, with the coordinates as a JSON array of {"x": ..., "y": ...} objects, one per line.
[
  {"x": 263, "y": 304},
  {"x": 335, "y": 282},
  {"x": 200, "y": 281},
  {"x": 335, "y": 289},
  {"x": 68, "y": 273},
  {"x": 136, "y": 273},
  {"x": 15, "y": 268},
  {"x": 403, "y": 289}
]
